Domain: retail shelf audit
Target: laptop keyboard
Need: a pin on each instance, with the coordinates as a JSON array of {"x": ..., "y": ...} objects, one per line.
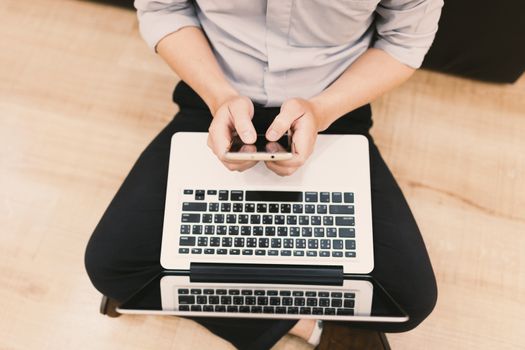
[
  {"x": 268, "y": 223},
  {"x": 286, "y": 301}
]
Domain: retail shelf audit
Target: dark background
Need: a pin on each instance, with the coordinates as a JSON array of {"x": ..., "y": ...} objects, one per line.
[{"x": 478, "y": 39}]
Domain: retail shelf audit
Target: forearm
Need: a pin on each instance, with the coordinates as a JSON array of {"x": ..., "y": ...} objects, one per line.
[
  {"x": 369, "y": 77},
  {"x": 189, "y": 54}
]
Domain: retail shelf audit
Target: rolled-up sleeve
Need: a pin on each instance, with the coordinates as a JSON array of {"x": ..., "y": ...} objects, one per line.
[
  {"x": 162, "y": 17},
  {"x": 406, "y": 28}
]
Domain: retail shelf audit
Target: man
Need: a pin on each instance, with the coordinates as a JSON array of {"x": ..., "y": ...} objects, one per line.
[{"x": 306, "y": 65}]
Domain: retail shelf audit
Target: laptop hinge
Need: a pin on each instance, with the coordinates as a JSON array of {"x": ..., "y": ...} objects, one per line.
[{"x": 255, "y": 273}]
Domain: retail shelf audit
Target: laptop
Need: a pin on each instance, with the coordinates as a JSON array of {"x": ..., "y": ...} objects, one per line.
[
  {"x": 321, "y": 215},
  {"x": 255, "y": 244}
]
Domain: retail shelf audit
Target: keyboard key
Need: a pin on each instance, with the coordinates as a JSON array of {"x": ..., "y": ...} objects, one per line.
[
  {"x": 349, "y": 295},
  {"x": 291, "y": 220},
  {"x": 346, "y": 232},
  {"x": 293, "y": 310},
  {"x": 297, "y": 208},
  {"x": 237, "y": 207},
  {"x": 211, "y": 192},
  {"x": 256, "y": 309},
  {"x": 288, "y": 243},
  {"x": 310, "y": 293},
  {"x": 324, "y": 302},
  {"x": 349, "y": 303},
  {"x": 345, "y": 312},
  {"x": 226, "y": 242},
  {"x": 202, "y": 299},
  {"x": 311, "y": 253},
  {"x": 213, "y": 207},
  {"x": 186, "y": 299},
  {"x": 207, "y": 218},
  {"x": 337, "y": 244},
  {"x": 202, "y": 241},
  {"x": 188, "y": 191},
  {"x": 276, "y": 242},
  {"x": 286, "y": 253},
  {"x": 286, "y": 208},
  {"x": 287, "y": 301},
  {"x": 285, "y": 293},
  {"x": 331, "y": 232},
  {"x": 213, "y": 299},
  {"x": 260, "y": 252},
  {"x": 275, "y": 301},
  {"x": 311, "y": 302},
  {"x": 310, "y": 197},
  {"x": 337, "y": 197},
  {"x": 328, "y": 220},
  {"x": 186, "y": 241},
  {"x": 246, "y": 292},
  {"x": 251, "y": 242},
  {"x": 244, "y": 309},
  {"x": 337, "y": 254},
  {"x": 306, "y": 232},
  {"x": 262, "y": 300},
  {"x": 238, "y": 300},
  {"x": 309, "y": 209},
  {"x": 209, "y": 251},
  {"x": 184, "y": 308},
  {"x": 226, "y": 207},
  {"x": 349, "y": 244},
  {"x": 298, "y": 253},
  {"x": 262, "y": 208},
  {"x": 191, "y": 217},
  {"x": 324, "y": 197},
  {"x": 196, "y": 229},
  {"x": 297, "y": 293},
  {"x": 319, "y": 232},
  {"x": 259, "y": 292},
  {"x": 236, "y": 195},
  {"x": 247, "y": 252},
  {"x": 344, "y": 221},
  {"x": 221, "y": 291},
  {"x": 184, "y": 290},
  {"x": 250, "y": 300},
  {"x": 238, "y": 242},
  {"x": 349, "y": 197},
  {"x": 223, "y": 195},
  {"x": 300, "y": 243},
  {"x": 184, "y": 229},
  {"x": 299, "y": 301},
  {"x": 279, "y": 219},
  {"x": 207, "y": 308},
  {"x": 243, "y": 218},
  {"x": 337, "y": 295},
  {"x": 194, "y": 206},
  {"x": 280, "y": 310},
  {"x": 341, "y": 209},
  {"x": 350, "y": 254},
  {"x": 304, "y": 220},
  {"x": 222, "y": 251},
  {"x": 196, "y": 250},
  {"x": 324, "y": 254},
  {"x": 305, "y": 311},
  {"x": 184, "y": 250},
  {"x": 255, "y": 219},
  {"x": 324, "y": 294},
  {"x": 199, "y": 195},
  {"x": 246, "y": 230},
  {"x": 235, "y": 252},
  {"x": 274, "y": 196},
  {"x": 257, "y": 230},
  {"x": 337, "y": 302},
  {"x": 326, "y": 243},
  {"x": 282, "y": 231},
  {"x": 273, "y": 208},
  {"x": 233, "y": 230},
  {"x": 226, "y": 300},
  {"x": 317, "y": 311},
  {"x": 321, "y": 209},
  {"x": 232, "y": 308},
  {"x": 208, "y": 291},
  {"x": 264, "y": 242},
  {"x": 269, "y": 231},
  {"x": 294, "y": 231},
  {"x": 249, "y": 208},
  {"x": 267, "y": 220},
  {"x": 313, "y": 244},
  {"x": 273, "y": 252},
  {"x": 268, "y": 310},
  {"x": 220, "y": 308},
  {"x": 218, "y": 218},
  {"x": 315, "y": 220},
  {"x": 231, "y": 219},
  {"x": 329, "y": 311}
]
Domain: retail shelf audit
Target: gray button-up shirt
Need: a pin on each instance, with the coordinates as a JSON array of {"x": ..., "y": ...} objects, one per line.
[{"x": 273, "y": 50}]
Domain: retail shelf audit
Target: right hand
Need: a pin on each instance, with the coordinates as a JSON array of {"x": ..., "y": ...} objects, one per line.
[{"x": 235, "y": 114}]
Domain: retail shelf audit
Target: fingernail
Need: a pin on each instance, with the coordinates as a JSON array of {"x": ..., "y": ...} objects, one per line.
[
  {"x": 272, "y": 135},
  {"x": 247, "y": 136}
]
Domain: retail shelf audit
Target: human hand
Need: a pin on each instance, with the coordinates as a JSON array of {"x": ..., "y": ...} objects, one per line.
[
  {"x": 235, "y": 114},
  {"x": 296, "y": 115}
]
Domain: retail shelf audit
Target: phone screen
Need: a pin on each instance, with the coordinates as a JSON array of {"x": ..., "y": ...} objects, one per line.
[{"x": 261, "y": 145}]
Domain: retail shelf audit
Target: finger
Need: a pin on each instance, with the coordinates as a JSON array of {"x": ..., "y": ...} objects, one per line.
[
  {"x": 220, "y": 136},
  {"x": 238, "y": 166},
  {"x": 248, "y": 149},
  {"x": 241, "y": 113},
  {"x": 280, "y": 170},
  {"x": 290, "y": 111},
  {"x": 274, "y": 147}
]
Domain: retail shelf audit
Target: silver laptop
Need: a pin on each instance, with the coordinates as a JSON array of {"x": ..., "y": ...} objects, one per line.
[{"x": 319, "y": 216}]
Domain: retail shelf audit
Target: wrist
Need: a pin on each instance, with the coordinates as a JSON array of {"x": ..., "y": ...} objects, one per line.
[
  {"x": 220, "y": 97},
  {"x": 320, "y": 113}
]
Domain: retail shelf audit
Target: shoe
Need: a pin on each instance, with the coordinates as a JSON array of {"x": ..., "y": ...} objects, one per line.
[{"x": 341, "y": 336}]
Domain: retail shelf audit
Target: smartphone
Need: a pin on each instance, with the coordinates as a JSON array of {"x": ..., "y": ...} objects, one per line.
[{"x": 262, "y": 149}]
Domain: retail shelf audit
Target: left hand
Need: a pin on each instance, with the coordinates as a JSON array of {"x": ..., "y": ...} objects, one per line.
[{"x": 296, "y": 115}]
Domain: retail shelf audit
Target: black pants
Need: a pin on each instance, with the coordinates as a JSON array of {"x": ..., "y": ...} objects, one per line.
[{"x": 123, "y": 252}]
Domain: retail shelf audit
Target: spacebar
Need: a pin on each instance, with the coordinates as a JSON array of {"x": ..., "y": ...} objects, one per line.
[{"x": 274, "y": 196}]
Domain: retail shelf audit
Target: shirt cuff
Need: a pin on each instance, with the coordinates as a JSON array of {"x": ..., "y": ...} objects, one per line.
[
  {"x": 410, "y": 56},
  {"x": 154, "y": 26}
]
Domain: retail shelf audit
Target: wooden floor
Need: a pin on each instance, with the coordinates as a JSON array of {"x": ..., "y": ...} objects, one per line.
[{"x": 81, "y": 96}]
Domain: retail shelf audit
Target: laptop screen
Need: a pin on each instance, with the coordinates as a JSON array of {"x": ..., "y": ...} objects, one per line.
[{"x": 358, "y": 298}]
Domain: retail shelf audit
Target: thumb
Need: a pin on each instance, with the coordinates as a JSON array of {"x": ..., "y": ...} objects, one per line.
[
  {"x": 290, "y": 111},
  {"x": 241, "y": 112}
]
